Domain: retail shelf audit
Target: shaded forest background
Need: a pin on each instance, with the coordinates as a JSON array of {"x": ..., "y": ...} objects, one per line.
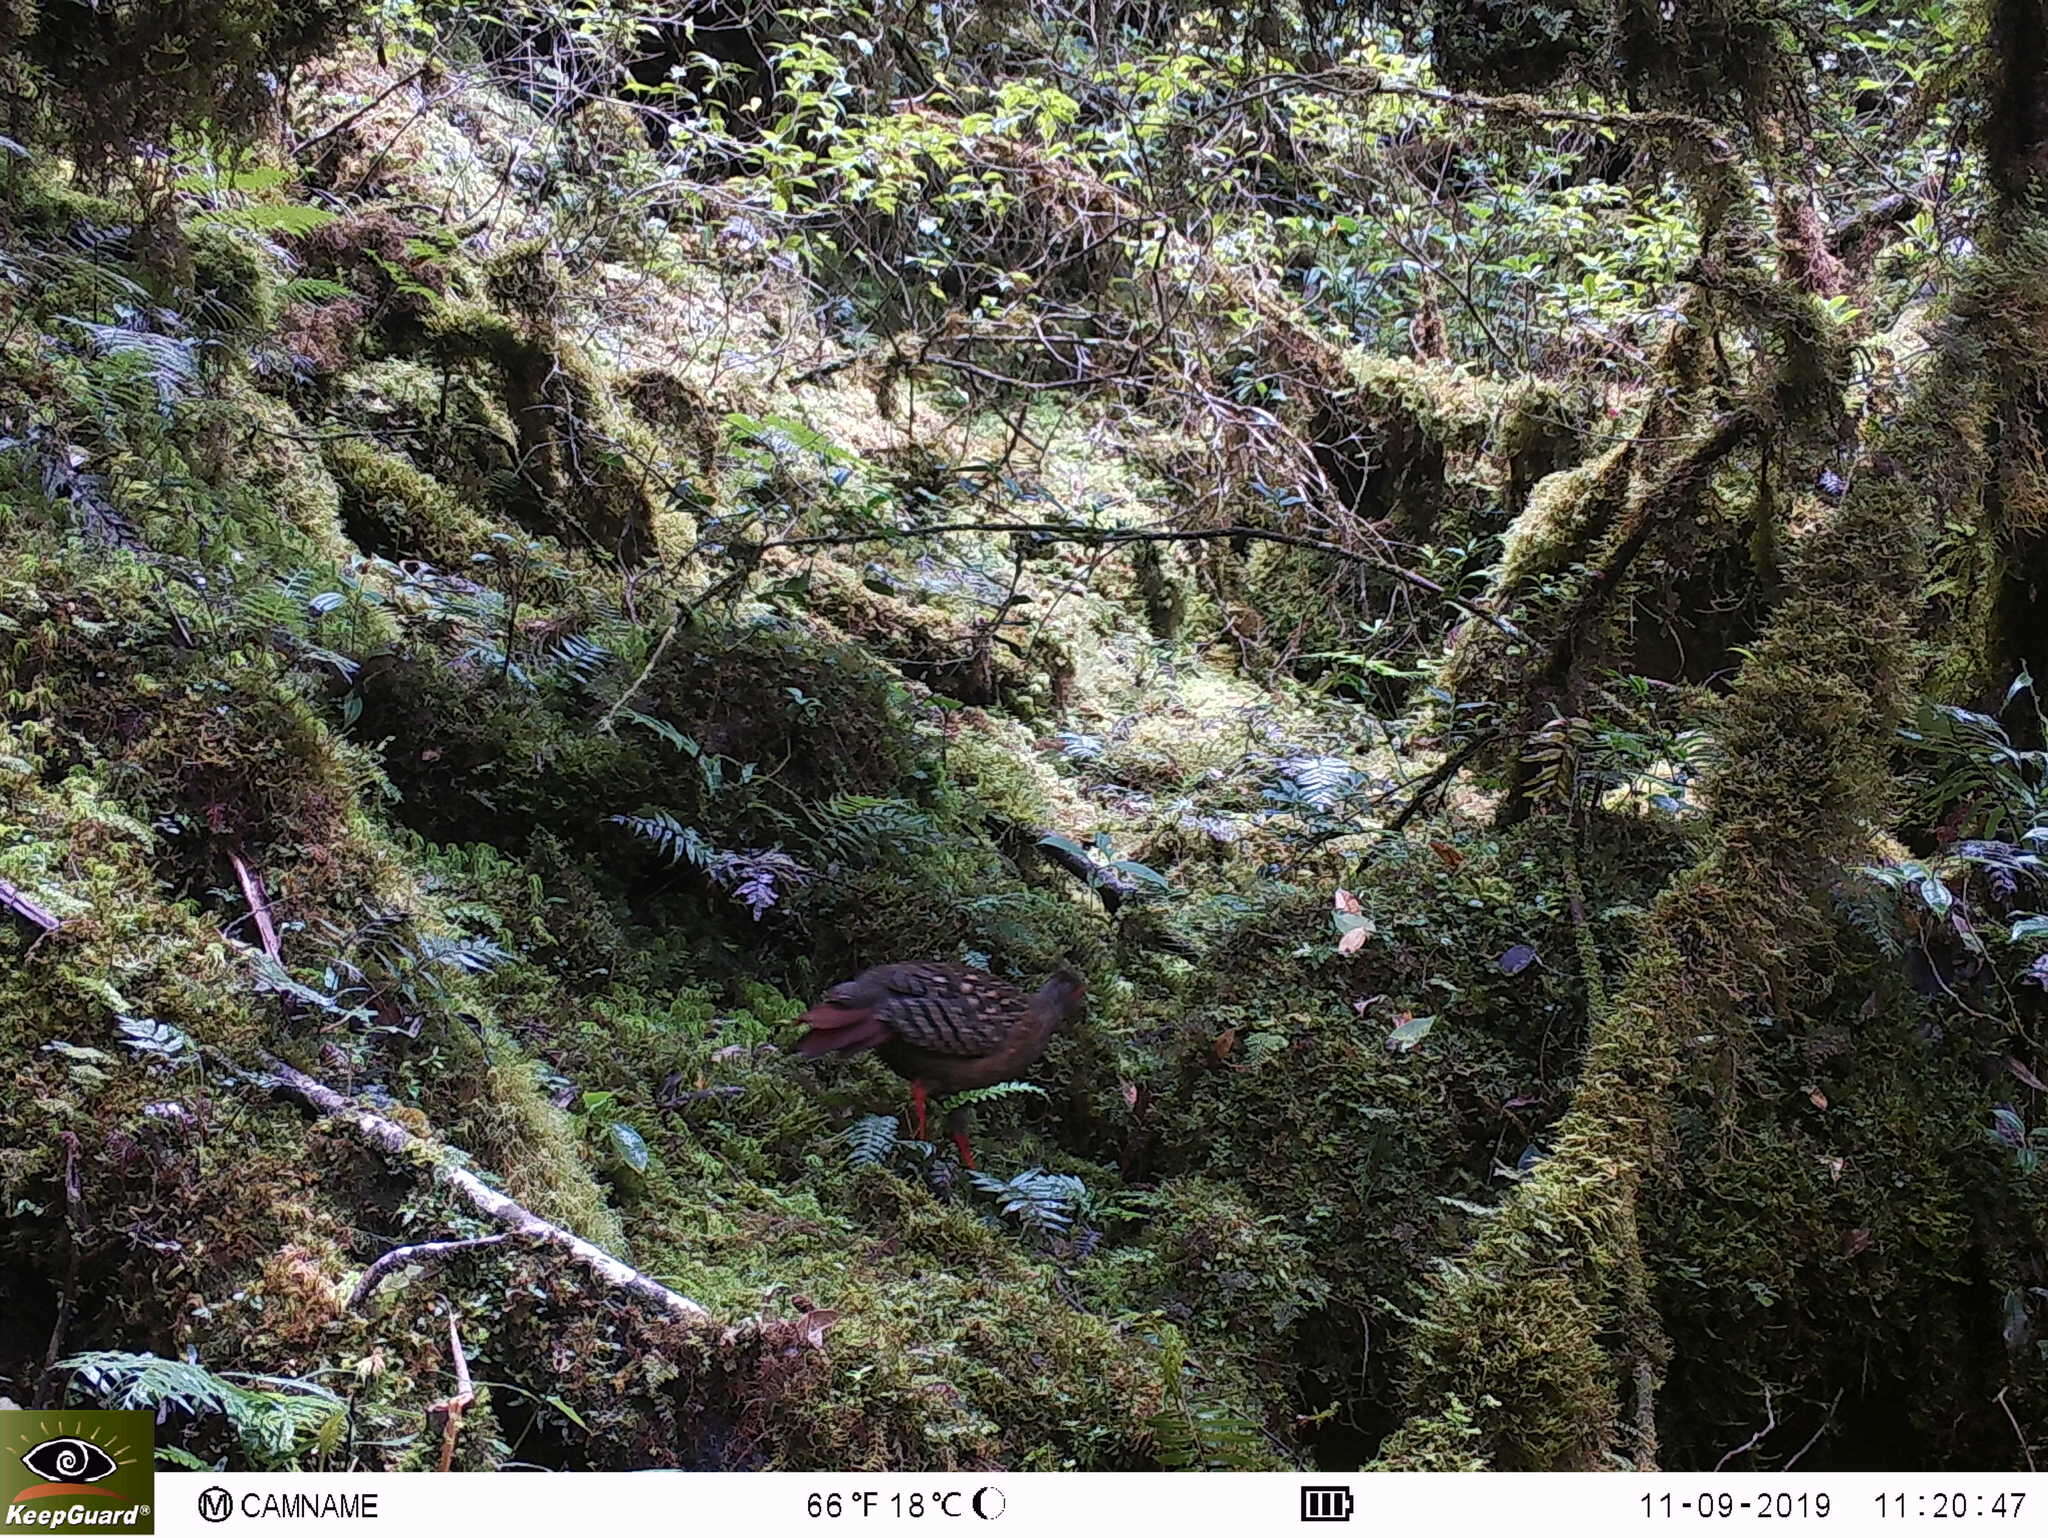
[{"x": 1473, "y": 565}]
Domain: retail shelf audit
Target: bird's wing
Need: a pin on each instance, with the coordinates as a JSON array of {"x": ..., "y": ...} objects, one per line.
[{"x": 949, "y": 1010}]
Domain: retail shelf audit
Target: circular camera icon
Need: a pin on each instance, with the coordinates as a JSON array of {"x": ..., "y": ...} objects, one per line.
[{"x": 69, "y": 1461}]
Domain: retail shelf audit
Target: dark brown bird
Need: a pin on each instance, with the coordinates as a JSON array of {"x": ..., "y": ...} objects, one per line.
[{"x": 945, "y": 1028}]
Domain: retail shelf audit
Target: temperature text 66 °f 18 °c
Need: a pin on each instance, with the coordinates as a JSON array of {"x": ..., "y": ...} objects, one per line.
[{"x": 984, "y": 1502}]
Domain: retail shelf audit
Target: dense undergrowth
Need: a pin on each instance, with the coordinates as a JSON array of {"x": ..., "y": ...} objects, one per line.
[{"x": 505, "y": 594}]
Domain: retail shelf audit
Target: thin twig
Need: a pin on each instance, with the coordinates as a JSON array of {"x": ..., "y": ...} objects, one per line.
[
  {"x": 367, "y": 107},
  {"x": 26, "y": 907},
  {"x": 1770, "y": 1425},
  {"x": 1436, "y": 777},
  {"x": 74, "y": 1221},
  {"x": 259, "y": 902},
  {"x": 449, "y": 1411},
  {"x": 1819, "y": 1431},
  {"x": 2026, "y": 1452},
  {"x": 604, "y": 722},
  {"x": 434, "y": 1253}
]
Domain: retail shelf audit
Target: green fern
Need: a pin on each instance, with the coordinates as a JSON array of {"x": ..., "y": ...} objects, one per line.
[
  {"x": 268, "y": 218},
  {"x": 1871, "y": 908},
  {"x": 579, "y": 656},
  {"x": 1970, "y": 762},
  {"x": 210, "y": 181},
  {"x": 972, "y": 1097},
  {"x": 681, "y": 741},
  {"x": 864, "y": 831},
  {"x": 472, "y": 953},
  {"x": 671, "y": 837},
  {"x": 276, "y": 1421},
  {"x": 273, "y": 977},
  {"x": 315, "y": 291},
  {"x": 870, "y": 1141},
  {"x": 1189, "y": 1435},
  {"x": 170, "y": 363},
  {"x": 1041, "y": 1201}
]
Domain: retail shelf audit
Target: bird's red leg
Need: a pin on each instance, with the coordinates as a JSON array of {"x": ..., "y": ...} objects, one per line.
[
  {"x": 917, "y": 1108},
  {"x": 966, "y": 1151}
]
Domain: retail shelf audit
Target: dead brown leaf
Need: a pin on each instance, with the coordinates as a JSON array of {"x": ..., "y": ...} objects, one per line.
[{"x": 2024, "y": 1074}]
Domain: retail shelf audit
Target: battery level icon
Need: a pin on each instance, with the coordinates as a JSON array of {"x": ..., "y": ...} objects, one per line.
[{"x": 1326, "y": 1503}]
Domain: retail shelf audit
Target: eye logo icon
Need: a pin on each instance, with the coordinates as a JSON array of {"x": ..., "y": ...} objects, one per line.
[
  {"x": 69, "y": 1461},
  {"x": 85, "y": 1471}
]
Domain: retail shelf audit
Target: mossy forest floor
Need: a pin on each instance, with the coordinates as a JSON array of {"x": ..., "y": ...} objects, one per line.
[{"x": 402, "y": 676}]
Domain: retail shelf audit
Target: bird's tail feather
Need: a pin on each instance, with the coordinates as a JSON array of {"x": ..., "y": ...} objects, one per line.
[{"x": 834, "y": 1029}]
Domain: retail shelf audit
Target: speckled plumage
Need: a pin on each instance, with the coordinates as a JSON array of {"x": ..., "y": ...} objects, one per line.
[
  {"x": 944, "y": 1027},
  {"x": 954, "y": 1011}
]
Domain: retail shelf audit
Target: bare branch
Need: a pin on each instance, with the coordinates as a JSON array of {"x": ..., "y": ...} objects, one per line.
[
  {"x": 434, "y": 1253},
  {"x": 1770, "y": 1425},
  {"x": 258, "y": 900},
  {"x": 448, "y": 1413},
  {"x": 389, "y": 1137}
]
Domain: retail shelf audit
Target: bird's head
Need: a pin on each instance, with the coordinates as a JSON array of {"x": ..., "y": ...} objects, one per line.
[{"x": 1064, "y": 995}]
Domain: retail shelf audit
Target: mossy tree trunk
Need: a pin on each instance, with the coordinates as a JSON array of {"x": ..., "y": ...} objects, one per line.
[{"x": 1542, "y": 1348}]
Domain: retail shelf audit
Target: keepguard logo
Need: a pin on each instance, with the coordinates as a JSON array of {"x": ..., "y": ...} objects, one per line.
[{"x": 77, "y": 1471}]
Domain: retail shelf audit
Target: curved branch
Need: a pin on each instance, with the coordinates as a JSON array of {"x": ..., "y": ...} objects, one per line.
[{"x": 436, "y": 1253}]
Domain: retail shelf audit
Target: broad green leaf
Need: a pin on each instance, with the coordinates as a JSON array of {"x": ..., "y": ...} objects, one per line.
[
  {"x": 631, "y": 1146},
  {"x": 1407, "y": 1036}
]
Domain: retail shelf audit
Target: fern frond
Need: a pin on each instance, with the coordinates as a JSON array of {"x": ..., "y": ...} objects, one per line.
[
  {"x": 268, "y": 218},
  {"x": 274, "y": 1419},
  {"x": 870, "y": 1141},
  {"x": 983, "y": 1096},
  {"x": 1038, "y": 1199},
  {"x": 472, "y": 954},
  {"x": 579, "y": 656},
  {"x": 671, "y": 837},
  {"x": 1192, "y": 1436},
  {"x": 316, "y": 291},
  {"x": 1189, "y": 1435},
  {"x": 170, "y": 363},
  {"x": 867, "y": 830},
  {"x": 681, "y": 741}
]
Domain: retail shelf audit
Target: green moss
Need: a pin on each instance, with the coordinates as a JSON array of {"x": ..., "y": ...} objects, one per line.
[
  {"x": 274, "y": 471},
  {"x": 233, "y": 282},
  {"x": 391, "y": 508},
  {"x": 592, "y": 475},
  {"x": 1804, "y": 737}
]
